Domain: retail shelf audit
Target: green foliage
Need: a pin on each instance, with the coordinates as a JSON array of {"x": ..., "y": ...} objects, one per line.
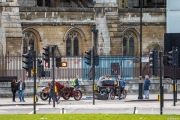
[{"x": 88, "y": 117}]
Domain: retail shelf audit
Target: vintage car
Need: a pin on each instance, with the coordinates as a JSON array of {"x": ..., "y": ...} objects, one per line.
[
  {"x": 62, "y": 91},
  {"x": 108, "y": 87}
]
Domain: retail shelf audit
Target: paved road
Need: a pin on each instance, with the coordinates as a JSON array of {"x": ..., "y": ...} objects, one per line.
[
  {"x": 88, "y": 111},
  {"x": 116, "y": 106}
]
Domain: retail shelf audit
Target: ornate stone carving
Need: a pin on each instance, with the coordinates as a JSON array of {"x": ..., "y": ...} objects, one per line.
[
  {"x": 72, "y": 35},
  {"x": 29, "y": 37}
]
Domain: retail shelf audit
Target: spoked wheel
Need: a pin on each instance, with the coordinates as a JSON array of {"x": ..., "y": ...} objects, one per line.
[
  {"x": 44, "y": 96},
  {"x": 95, "y": 94},
  {"x": 77, "y": 95},
  {"x": 124, "y": 94},
  {"x": 112, "y": 94},
  {"x": 66, "y": 93}
]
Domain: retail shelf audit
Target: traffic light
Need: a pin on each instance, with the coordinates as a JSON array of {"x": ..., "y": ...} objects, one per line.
[
  {"x": 154, "y": 62},
  {"x": 177, "y": 58},
  {"x": 171, "y": 59},
  {"x": 28, "y": 62},
  {"x": 58, "y": 61},
  {"x": 39, "y": 67},
  {"x": 47, "y": 56},
  {"x": 88, "y": 57},
  {"x": 96, "y": 57}
]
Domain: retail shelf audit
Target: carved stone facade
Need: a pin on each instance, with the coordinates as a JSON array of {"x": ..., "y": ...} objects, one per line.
[
  {"x": 70, "y": 28},
  {"x": 10, "y": 27}
]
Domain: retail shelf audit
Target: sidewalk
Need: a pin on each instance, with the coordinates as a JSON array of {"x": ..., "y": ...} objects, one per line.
[{"x": 130, "y": 102}]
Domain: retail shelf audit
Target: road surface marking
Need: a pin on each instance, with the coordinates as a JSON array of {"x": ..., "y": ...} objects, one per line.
[{"x": 32, "y": 111}]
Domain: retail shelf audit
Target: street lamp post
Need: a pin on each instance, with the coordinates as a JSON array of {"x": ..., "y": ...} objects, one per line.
[{"x": 140, "y": 77}]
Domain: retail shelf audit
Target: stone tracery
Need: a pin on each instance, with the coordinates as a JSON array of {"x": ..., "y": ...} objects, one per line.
[
  {"x": 28, "y": 37},
  {"x": 128, "y": 43},
  {"x": 72, "y": 44}
]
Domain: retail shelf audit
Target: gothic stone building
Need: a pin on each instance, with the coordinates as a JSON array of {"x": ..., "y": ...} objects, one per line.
[{"x": 68, "y": 25}]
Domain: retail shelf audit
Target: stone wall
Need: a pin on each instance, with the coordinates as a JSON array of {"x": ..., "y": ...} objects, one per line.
[
  {"x": 128, "y": 20},
  {"x": 54, "y": 35},
  {"x": 2, "y": 35},
  {"x": 121, "y": 21},
  {"x": 132, "y": 87},
  {"x": 11, "y": 27},
  {"x": 54, "y": 26},
  {"x": 27, "y": 3}
]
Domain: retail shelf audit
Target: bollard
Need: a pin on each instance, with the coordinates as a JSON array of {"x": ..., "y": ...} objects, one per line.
[
  {"x": 134, "y": 110},
  {"x": 62, "y": 110}
]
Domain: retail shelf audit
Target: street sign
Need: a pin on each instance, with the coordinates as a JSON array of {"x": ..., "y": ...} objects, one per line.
[
  {"x": 144, "y": 59},
  {"x": 63, "y": 64},
  {"x": 32, "y": 71}
]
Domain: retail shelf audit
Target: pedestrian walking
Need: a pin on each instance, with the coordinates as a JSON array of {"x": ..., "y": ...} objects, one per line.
[
  {"x": 51, "y": 93},
  {"x": 147, "y": 83},
  {"x": 122, "y": 85},
  {"x": 14, "y": 88},
  {"x": 21, "y": 87}
]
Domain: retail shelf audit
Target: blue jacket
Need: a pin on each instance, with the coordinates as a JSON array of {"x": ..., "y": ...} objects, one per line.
[
  {"x": 77, "y": 82},
  {"x": 122, "y": 83},
  {"x": 147, "y": 83}
]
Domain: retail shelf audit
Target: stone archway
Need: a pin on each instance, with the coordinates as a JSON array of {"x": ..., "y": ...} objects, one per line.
[
  {"x": 154, "y": 46},
  {"x": 31, "y": 35},
  {"x": 146, "y": 69},
  {"x": 130, "y": 42},
  {"x": 74, "y": 38}
]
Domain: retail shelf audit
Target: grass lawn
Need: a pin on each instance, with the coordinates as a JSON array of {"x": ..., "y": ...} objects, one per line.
[{"x": 88, "y": 117}]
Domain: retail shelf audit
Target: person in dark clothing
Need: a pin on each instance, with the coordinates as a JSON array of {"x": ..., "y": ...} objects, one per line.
[
  {"x": 51, "y": 93},
  {"x": 14, "y": 89},
  {"x": 21, "y": 87},
  {"x": 147, "y": 83},
  {"x": 77, "y": 83}
]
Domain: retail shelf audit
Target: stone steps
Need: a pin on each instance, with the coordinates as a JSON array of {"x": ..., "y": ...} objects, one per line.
[{"x": 109, "y": 17}]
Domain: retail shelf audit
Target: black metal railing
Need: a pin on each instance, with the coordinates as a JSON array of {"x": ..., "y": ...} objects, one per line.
[{"x": 12, "y": 66}]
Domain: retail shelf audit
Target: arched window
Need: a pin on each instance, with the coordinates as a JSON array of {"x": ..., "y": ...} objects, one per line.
[
  {"x": 72, "y": 44},
  {"x": 24, "y": 46},
  {"x": 76, "y": 47},
  {"x": 131, "y": 46},
  {"x": 124, "y": 47},
  {"x": 68, "y": 47},
  {"x": 29, "y": 41},
  {"x": 43, "y": 3},
  {"x": 128, "y": 44}
]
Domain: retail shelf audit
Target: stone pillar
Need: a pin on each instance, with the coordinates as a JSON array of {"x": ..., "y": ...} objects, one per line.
[
  {"x": 11, "y": 27},
  {"x": 104, "y": 38},
  {"x": 2, "y": 32}
]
